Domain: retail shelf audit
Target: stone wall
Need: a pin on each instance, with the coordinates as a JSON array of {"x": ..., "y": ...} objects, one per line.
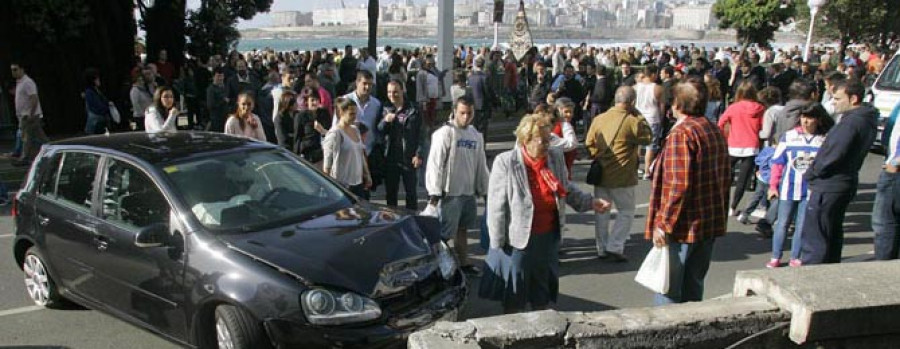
[{"x": 852, "y": 305}]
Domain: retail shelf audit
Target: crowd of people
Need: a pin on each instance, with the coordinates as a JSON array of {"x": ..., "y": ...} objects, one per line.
[{"x": 690, "y": 120}]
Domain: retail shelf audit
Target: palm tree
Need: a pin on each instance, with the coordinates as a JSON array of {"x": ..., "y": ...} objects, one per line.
[{"x": 373, "y": 26}]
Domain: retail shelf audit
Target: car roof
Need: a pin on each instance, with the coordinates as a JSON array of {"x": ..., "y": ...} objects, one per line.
[{"x": 163, "y": 147}]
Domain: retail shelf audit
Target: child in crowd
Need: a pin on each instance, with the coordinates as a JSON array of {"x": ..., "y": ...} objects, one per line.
[
  {"x": 565, "y": 133},
  {"x": 795, "y": 152},
  {"x": 759, "y": 203}
]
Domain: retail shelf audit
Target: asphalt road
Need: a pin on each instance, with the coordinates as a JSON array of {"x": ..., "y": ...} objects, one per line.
[{"x": 586, "y": 283}]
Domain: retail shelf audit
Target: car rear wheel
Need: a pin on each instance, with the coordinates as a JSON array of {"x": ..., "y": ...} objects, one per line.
[
  {"x": 38, "y": 283},
  {"x": 237, "y": 329}
]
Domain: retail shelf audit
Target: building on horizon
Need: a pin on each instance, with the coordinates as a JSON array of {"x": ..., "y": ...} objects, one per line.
[
  {"x": 292, "y": 19},
  {"x": 694, "y": 17}
]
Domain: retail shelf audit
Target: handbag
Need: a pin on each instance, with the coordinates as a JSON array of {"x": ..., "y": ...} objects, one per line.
[
  {"x": 595, "y": 173},
  {"x": 654, "y": 271}
]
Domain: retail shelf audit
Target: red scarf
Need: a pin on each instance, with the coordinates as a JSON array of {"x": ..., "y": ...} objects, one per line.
[{"x": 547, "y": 181}]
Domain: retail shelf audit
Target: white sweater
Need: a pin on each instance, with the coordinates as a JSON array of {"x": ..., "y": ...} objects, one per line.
[
  {"x": 153, "y": 121},
  {"x": 456, "y": 163}
]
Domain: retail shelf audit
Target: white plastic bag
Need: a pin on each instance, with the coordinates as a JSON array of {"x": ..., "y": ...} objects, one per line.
[
  {"x": 114, "y": 113},
  {"x": 654, "y": 272},
  {"x": 431, "y": 211}
]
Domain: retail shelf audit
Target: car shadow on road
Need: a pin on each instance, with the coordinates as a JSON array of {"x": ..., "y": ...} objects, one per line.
[{"x": 34, "y": 347}]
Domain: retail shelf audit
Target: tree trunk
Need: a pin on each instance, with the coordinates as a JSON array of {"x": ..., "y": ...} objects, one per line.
[
  {"x": 57, "y": 67},
  {"x": 373, "y": 27},
  {"x": 165, "y": 30}
]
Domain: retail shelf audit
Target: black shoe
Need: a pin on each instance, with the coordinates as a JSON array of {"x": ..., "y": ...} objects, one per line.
[{"x": 764, "y": 229}]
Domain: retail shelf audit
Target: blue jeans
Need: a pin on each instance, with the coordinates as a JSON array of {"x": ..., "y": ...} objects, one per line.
[
  {"x": 789, "y": 210},
  {"x": 688, "y": 264},
  {"x": 759, "y": 197},
  {"x": 96, "y": 124},
  {"x": 17, "y": 150},
  {"x": 886, "y": 216}
]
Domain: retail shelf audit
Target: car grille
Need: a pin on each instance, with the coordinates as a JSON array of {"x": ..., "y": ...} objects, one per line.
[{"x": 412, "y": 296}]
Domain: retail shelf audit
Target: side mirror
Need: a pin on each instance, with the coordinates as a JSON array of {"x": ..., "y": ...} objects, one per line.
[{"x": 154, "y": 235}]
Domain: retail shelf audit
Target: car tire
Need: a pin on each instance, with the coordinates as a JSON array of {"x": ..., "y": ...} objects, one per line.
[
  {"x": 235, "y": 328},
  {"x": 38, "y": 284}
]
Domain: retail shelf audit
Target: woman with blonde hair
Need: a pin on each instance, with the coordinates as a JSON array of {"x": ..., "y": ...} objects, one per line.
[
  {"x": 528, "y": 187},
  {"x": 345, "y": 151},
  {"x": 243, "y": 122}
]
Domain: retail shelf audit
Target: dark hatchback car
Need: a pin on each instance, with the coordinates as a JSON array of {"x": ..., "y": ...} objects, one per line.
[{"x": 213, "y": 241}]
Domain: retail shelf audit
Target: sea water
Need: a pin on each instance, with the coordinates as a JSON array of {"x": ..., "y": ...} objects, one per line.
[{"x": 338, "y": 42}]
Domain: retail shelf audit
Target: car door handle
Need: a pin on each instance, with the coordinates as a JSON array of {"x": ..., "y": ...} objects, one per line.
[
  {"x": 102, "y": 242},
  {"x": 43, "y": 220},
  {"x": 85, "y": 228}
]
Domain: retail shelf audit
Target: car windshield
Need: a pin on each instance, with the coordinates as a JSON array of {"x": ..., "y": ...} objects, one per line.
[
  {"x": 890, "y": 76},
  {"x": 246, "y": 191}
]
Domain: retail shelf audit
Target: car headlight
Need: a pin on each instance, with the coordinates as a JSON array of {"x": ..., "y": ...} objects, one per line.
[
  {"x": 325, "y": 307},
  {"x": 446, "y": 261}
]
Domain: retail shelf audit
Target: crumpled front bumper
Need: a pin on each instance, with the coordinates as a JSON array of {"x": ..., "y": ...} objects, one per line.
[{"x": 390, "y": 331}]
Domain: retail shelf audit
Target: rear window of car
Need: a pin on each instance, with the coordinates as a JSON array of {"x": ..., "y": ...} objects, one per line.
[
  {"x": 72, "y": 181},
  {"x": 251, "y": 190}
]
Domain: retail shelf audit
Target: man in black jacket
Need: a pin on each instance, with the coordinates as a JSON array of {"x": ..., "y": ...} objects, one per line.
[
  {"x": 401, "y": 126},
  {"x": 834, "y": 175},
  {"x": 601, "y": 95}
]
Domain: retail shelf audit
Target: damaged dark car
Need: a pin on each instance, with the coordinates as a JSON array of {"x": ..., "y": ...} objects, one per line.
[{"x": 214, "y": 241}]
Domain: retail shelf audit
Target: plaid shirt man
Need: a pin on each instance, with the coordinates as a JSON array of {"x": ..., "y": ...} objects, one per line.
[{"x": 691, "y": 177}]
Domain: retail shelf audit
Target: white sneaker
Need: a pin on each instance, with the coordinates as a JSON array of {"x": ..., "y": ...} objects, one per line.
[{"x": 758, "y": 213}]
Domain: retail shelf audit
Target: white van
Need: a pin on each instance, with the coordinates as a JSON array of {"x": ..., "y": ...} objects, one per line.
[{"x": 886, "y": 92}]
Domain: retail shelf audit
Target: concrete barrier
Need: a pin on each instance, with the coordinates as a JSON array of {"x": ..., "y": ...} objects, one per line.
[
  {"x": 831, "y": 301},
  {"x": 852, "y": 305},
  {"x": 711, "y": 324}
]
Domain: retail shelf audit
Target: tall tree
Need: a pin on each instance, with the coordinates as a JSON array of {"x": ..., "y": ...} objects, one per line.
[
  {"x": 164, "y": 24},
  {"x": 211, "y": 28},
  {"x": 755, "y": 21},
  {"x": 56, "y": 40},
  {"x": 851, "y": 21},
  {"x": 373, "y": 26}
]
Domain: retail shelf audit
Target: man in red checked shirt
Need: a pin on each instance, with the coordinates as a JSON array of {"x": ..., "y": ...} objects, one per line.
[{"x": 689, "y": 197}]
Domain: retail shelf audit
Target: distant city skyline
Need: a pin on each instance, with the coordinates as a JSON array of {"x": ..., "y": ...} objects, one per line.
[{"x": 264, "y": 19}]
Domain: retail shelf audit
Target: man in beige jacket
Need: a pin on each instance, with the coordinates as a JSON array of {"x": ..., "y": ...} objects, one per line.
[{"x": 615, "y": 138}]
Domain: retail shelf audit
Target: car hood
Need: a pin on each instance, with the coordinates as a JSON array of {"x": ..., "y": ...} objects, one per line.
[{"x": 363, "y": 248}]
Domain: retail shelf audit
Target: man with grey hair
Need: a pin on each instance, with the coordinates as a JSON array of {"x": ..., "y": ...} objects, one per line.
[{"x": 614, "y": 140}]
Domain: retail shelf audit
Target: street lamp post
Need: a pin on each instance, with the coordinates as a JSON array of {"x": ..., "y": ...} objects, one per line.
[{"x": 814, "y": 6}]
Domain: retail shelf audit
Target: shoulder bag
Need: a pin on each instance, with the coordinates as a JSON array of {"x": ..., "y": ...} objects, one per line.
[{"x": 595, "y": 173}]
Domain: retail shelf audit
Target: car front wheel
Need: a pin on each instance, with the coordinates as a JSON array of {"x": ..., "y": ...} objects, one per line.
[
  {"x": 38, "y": 283},
  {"x": 237, "y": 329}
]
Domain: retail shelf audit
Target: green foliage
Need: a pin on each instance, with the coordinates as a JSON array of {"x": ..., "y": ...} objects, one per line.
[
  {"x": 754, "y": 20},
  {"x": 211, "y": 29},
  {"x": 51, "y": 21},
  {"x": 850, "y": 21}
]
